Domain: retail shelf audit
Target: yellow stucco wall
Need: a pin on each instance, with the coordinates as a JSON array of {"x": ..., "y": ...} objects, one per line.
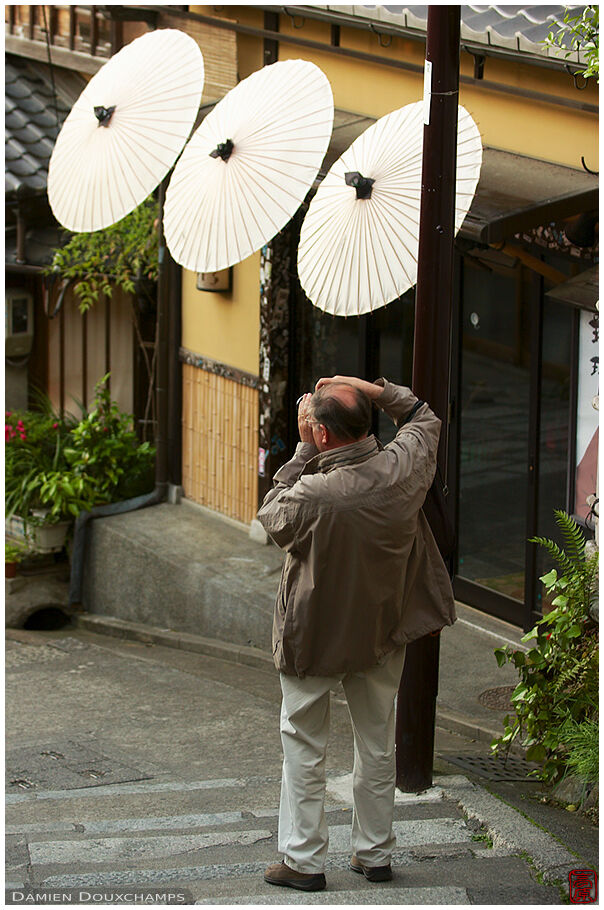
[{"x": 225, "y": 326}]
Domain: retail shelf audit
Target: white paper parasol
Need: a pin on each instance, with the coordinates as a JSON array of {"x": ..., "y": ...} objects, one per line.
[
  {"x": 359, "y": 244},
  {"x": 126, "y": 130},
  {"x": 249, "y": 165}
]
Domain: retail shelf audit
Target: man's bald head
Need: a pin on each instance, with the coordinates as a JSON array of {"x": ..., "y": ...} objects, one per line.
[{"x": 344, "y": 410}]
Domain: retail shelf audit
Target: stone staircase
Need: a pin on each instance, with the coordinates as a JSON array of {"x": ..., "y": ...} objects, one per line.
[{"x": 209, "y": 841}]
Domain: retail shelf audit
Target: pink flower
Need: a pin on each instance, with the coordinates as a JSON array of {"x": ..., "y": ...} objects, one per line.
[
  {"x": 55, "y": 426},
  {"x": 8, "y": 413},
  {"x": 23, "y": 436}
]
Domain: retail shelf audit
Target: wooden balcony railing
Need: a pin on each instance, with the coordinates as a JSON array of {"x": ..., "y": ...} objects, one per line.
[{"x": 84, "y": 29}]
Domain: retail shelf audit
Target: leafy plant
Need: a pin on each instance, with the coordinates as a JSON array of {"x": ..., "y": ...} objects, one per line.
[
  {"x": 579, "y": 30},
  {"x": 34, "y": 445},
  {"x": 119, "y": 255},
  {"x": 65, "y": 494},
  {"x": 63, "y": 467},
  {"x": 14, "y": 551},
  {"x": 104, "y": 447},
  {"x": 558, "y": 687}
]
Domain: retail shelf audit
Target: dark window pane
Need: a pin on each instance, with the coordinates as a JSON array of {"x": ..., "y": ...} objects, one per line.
[{"x": 494, "y": 432}]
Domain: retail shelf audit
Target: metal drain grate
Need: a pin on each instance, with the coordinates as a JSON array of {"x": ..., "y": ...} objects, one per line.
[
  {"x": 498, "y": 699},
  {"x": 492, "y": 767}
]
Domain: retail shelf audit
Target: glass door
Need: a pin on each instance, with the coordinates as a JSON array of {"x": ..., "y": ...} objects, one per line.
[{"x": 494, "y": 412}]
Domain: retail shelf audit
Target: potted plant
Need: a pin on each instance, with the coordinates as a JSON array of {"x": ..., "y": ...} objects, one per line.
[
  {"x": 57, "y": 467},
  {"x": 60, "y": 497},
  {"x": 34, "y": 445},
  {"x": 14, "y": 552}
]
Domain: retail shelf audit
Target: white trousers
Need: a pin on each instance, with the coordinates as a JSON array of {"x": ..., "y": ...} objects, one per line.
[{"x": 303, "y": 834}]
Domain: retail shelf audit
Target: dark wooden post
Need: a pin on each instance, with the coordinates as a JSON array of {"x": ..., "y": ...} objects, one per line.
[
  {"x": 72, "y": 27},
  {"x": 94, "y": 30},
  {"x": 433, "y": 303}
]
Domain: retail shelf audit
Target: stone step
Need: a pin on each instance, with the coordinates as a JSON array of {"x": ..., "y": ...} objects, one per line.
[
  {"x": 402, "y": 896},
  {"x": 221, "y": 869},
  {"x": 183, "y": 798},
  {"x": 141, "y": 849}
]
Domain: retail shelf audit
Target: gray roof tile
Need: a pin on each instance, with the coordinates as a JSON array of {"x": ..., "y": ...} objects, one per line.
[
  {"x": 511, "y": 27},
  {"x": 31, "y": 125}
]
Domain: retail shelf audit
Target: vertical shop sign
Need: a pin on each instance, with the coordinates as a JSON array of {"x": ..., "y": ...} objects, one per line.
[{"x": 587, "y": 415}]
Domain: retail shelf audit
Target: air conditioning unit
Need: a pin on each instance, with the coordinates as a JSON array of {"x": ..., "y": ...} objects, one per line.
[{"x": 19, "y": 323}]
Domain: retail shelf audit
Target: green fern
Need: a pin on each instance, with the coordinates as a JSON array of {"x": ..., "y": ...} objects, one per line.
[
  {"x": 578, "y": 570},
  {"x": 572, "y": 557},
  {"x": 574, "y": 539},
  {"x": 558, "y": 555},
  {"x": 574, "y": 675},
  {"x": 555, "y": 702}
]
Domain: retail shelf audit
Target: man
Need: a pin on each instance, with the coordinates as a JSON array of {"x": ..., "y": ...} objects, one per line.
[{"x": 362, "y": 576}]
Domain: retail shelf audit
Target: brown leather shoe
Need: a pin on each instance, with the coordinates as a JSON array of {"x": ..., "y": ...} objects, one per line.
[
  {"x": 281, "y": 874},
  {"x": 372, "y": 873}
]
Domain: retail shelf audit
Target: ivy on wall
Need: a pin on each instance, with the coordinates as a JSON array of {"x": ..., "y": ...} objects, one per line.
[{"x": 123, "y": 256}]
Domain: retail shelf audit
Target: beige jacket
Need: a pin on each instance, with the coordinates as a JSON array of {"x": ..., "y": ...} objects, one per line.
[{"x": 362, "y": 573}]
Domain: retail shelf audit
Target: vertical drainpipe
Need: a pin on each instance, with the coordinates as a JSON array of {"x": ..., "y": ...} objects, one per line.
[
  {"x": 270, "y": 54},
  {"x": 175, "y": 381},
  {"x": 20, "y": 257},
  {"x": 161, "y": 386}
]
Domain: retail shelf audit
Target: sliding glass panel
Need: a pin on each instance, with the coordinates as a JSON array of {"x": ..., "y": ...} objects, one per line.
[
  {"x": 555, "y": 431},
  {"x": 494, "y": 430}
]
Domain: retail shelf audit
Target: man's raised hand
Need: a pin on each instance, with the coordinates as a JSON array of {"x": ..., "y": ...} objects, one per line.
[
  {"x": 370, "y": 388},
  {"x": 304, "y": 427}
]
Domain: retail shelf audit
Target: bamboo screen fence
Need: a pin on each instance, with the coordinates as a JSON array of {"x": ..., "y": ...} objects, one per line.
[{"x": 220, "y": 443}]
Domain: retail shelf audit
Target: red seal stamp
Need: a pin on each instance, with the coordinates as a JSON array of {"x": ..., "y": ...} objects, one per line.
[{"x": 583, "y": 886}]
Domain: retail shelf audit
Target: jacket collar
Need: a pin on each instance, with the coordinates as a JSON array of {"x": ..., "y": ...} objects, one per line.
[{"x": 355, "y": 453}]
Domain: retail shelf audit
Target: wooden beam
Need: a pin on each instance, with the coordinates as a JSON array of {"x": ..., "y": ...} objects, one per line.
[
  {"x": 60, "y": 56},
  {"x": 532, "y": 262}
]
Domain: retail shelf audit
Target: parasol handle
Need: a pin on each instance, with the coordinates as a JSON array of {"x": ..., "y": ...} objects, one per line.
[
  {"x": 223, "y": 150},
  {"x": 363, "y": 185},
  {"x": 103, "y": 114}
]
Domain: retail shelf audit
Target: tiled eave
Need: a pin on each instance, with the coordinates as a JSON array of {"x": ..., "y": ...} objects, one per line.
[{"x": 509, "y": 30}]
